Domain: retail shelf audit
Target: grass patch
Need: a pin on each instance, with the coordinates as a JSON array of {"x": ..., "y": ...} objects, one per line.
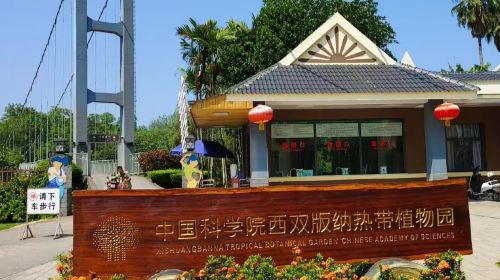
[
  {"x": 498, "y": 264},
  {"x": 8, "y": 225}
]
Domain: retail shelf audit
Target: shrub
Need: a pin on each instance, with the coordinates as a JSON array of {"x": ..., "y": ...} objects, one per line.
[
  {"x": 64, "y": 265},
  {"x": 446, "y": 265},
  {"x": 164, "y": 177},
  {"x": 13, "y": 194},
  {"x": 38, "y": 177},
  {"x": 78, "y": 181},
  {"x": 13, "y": 200},
  {"x": 158, "y": 160},
  {"x": 169, "y": 178},
  {"x": 10, "y": 158},
  {"x": 176, "y": 179},
  {"x": 257, "y": 268},
  {"x": 118, "y": 277},
  {"x": 387, "y": 273}
]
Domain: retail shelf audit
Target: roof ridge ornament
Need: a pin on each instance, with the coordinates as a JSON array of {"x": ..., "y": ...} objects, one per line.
[
  {"x": 337, "y": 54},
  {"x": 320, "y": 48},
  {"x": 407, "y": 59}
]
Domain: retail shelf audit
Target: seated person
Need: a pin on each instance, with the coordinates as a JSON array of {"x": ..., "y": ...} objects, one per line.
[{"x": 123, "y": 178}]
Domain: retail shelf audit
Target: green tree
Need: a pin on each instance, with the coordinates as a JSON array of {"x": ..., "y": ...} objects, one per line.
[
  {"x": 25, "y": 131},
  {"x": 283, "y": 24},
  {"x": 104, "y": 123},
  {"x": 237, "y": 61},
  {"x": 201, "y": 45},
  {"x": 476, "y": 68},
  {"x": 481, "y": 17},
  {"x": 162, "y": 134}
]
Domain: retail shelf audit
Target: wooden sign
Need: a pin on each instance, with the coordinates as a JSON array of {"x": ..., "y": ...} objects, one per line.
[{"x": 141, "y": 232}]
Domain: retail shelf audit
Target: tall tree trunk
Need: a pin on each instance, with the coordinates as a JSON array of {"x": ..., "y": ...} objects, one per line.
[{"x": 480, "y": 47}]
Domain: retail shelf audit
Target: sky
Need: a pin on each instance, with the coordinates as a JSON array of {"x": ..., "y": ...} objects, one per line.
[{"x": 425, "y": 28}]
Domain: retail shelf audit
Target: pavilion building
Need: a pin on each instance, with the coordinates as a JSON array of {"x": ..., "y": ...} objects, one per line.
[{"x": 344, "y": 110}]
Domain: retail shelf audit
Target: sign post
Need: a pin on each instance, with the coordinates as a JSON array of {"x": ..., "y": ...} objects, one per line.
[
  {"x": 27, "y": 233},
  {"x": 42, "y": 201}
]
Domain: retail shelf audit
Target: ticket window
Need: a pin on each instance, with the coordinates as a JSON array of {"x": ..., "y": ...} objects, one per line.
[{"x": 337, "y": 148}]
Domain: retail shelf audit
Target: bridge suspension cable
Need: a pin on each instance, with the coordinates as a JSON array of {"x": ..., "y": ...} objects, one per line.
[
  {"x": 35, "y": 148},
  {"x": 43, "y": 53}
]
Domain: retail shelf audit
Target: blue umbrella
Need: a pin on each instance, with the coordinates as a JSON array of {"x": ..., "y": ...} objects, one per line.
[{"x": 206, "y": 148}]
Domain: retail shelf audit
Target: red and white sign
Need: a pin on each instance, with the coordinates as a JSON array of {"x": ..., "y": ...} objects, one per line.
[{"x": 43, "y": 201}]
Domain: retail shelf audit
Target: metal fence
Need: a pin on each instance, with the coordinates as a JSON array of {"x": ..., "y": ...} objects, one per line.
[
  {"x": 135, "y": 167},
  {"x": 81, "y": 160},
  {"x": 6, "y": 174},
  {"x": 103, "y": 167},
  {"x": 108, "y": 167}
]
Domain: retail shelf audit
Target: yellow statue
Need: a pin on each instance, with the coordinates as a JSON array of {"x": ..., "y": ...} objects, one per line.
[{"x": 190, "y": 166}]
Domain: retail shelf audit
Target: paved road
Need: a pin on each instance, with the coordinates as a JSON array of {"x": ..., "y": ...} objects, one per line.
[
  {"x": 485, "y": 226},
  {"x": 33, "y": 258},
  {"x": 98, "y": 182}
]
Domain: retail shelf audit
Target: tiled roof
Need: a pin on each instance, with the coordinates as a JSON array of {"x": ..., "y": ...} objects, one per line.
[
  {"x": 476, "y": 76},
  {"x": 330, "y": 78}
]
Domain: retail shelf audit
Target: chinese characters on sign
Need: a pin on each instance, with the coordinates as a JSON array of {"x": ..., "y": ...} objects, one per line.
[
  {"x": 313, "y": 223},
  {"x": 43, "y": 201},
  {"x": 180, "y": 228}
]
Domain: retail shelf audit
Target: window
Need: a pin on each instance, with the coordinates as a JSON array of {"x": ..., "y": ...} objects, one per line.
[
  {"x": 336, "y": 148},
  {"x": 464, "y": 147},
  {"x": 382, "y": 147},
  {"x": 292, "y": 149}
]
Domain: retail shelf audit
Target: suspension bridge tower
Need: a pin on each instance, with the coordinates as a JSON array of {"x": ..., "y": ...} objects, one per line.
[{"x": 83, "y": 96}]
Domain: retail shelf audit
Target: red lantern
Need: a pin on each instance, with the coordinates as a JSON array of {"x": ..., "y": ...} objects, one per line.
[
  {"x": 260, "y": 114},
  {"x": 447, "y": 112}
]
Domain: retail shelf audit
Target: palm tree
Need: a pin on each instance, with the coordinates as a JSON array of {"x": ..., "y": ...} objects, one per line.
[
  {"x": 200, "y": 47},
  {"x": 478, "y": 16},
  {"x": 494, "y": 32}
]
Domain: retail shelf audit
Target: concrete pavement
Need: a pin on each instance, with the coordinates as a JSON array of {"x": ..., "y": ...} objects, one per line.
[
  {"x": 485, "y": 227},
  {"x": 98, "y": 182},
  {"x": 33, "y": 258}
]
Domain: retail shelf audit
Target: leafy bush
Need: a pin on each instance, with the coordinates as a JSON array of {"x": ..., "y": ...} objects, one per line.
[
  {"x": 38, "y": 177},
  {"x": 13, "y": 200},
  {"x": 446, "y": 265},
  {"x": 13, "y": 194},
  {"x": 387, "y": 273},
  {"x": 64, "y": 265},
  {"x": 176, "y": 179},
  {"x": 164, "y": 178},
  {"x": 10, "y": 158},
  {"x": 78, "y": 181},
  {"x": 257, "y": 268},
  {"x": 169, "y": 178},
  {"x": 158, "y": 160}
]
